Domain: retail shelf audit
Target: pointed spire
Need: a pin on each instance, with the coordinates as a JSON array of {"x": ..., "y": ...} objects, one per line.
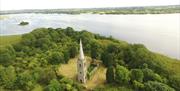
[{"x": 81, "y": 56}]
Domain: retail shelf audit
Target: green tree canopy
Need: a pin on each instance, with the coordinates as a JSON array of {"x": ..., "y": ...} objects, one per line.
[
  {"x": 54, "y": 85},
  {"x": 7, "y": 77},
  {"x": 96, "y": 50},
  {"x": 7, "y": 55},
  {"x": 157, "y": 86},
  {"x": 137, "y": 74},
  {"x": 122, "y": 75},
  {"x": 56, "y": 58}
]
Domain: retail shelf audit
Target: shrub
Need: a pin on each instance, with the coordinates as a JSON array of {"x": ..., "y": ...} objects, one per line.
[
  {"x": 137, "y": 74},
  {"x": 157, "y": 86},
  {"x": 138, "y": 85}
]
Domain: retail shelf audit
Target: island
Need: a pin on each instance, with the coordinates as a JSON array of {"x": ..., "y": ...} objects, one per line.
[
  {"x": 51, "y": 59},
  {"x": 23, "y": 23}
]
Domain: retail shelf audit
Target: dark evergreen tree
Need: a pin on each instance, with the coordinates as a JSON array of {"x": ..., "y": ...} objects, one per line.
[{"x": 110, "y": 75}]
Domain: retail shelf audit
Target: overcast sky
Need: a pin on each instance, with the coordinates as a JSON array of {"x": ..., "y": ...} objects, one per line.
[{"x": 55, "y": 4}]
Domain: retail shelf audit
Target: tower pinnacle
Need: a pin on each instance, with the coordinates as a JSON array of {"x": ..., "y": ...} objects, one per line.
[{"x": 81, "y": 56}]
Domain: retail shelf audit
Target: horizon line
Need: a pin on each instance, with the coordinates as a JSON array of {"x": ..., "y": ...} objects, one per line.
[{"x": 91, "y": 7}]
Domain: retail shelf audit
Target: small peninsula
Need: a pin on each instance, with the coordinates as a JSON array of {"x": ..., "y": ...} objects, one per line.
[{"x": 46, "y": 59}]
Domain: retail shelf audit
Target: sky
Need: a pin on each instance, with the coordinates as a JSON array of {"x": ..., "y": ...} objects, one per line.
[{"x": 58, "y": 4}]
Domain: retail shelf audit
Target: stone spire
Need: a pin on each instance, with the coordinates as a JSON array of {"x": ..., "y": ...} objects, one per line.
[
  {"x": 81, "y": 56},
  {"x": 81, "y": 66}
]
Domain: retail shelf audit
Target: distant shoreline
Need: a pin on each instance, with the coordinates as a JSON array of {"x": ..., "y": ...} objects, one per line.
[{"x": 114, "y": 10}]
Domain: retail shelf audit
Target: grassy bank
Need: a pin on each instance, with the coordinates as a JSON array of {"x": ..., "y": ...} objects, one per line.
[{"x": 8, "y": 40}]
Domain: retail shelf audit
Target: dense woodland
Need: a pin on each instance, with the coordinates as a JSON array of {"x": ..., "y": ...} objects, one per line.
[{"x": 31, "y": 64}]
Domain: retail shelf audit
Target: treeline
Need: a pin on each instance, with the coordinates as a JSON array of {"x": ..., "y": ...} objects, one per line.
[
  {"x": 113, "y": 10},
  {"x": 33, "y": 62},
  {"x": 134, "y": 66},
  {"x": 140, "y": 10}
]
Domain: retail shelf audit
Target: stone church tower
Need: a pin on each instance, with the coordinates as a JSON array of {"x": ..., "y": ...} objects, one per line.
[{"x": 81, "y": 66}]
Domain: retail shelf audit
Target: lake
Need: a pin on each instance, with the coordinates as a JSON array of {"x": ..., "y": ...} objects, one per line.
[{"x": 158, "y": 32}]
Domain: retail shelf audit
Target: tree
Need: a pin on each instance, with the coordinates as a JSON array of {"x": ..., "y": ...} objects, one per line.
[
  {"x": 73, "y": 50},
  {"x": 25, "y": 81},
  {"x": 69, "y": 31},
  {"x": 122, "y": 75},
  {"x": 7, "y": 77},
  {"x": 46, "y": 75},
  {"x": 66, "y": 56},
  {"x": 56, "y": 58},
  {"x": 87, "y": 39},
  {"x": 110, "y": 74},
  {"x": 28, "y": 39},
  {"x": 129, "y": 54},
  {"x": 108, "y": 59},
  {"x": 7, "y": 55},
  {"x": 113, "y": 48},
  {"x": 138, "y": 85},
  {"x": 112, "y": 55},
  {"x": 174, "y": 81},
  {"x": 95, "y": 50},
  {"x": 54, "y": 35},
  {"x": 157, "y": 86},
  {"x": 137, "y": 74},
  {"x": 40, "y": 32},
  {"x": 54, "y": 86},
  {"x": 150, "y": 75},
  {"x": 43, "y": 43}
]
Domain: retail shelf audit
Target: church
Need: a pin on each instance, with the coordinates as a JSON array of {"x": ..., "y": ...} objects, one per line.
[{"x": 81, "y": 66}]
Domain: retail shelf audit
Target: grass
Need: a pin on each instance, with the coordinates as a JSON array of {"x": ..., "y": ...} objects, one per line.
[
  {"x": 8, "y": 40},
  {"x": 38, "y": 88},
  {"x": 70, "y": 71},
  {"x": 112, "y": 87},
  {"x": 98, "y": 79}
]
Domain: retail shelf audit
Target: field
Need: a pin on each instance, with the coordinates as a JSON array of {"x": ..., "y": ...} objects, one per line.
[
  {"x": 7, "y": 40},
  {"x": 70, "y": 70}
]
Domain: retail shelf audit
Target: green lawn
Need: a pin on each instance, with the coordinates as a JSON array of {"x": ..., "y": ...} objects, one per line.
[{"x": 10, "y": 39}]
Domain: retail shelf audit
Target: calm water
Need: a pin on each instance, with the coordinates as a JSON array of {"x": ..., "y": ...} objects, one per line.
[{"x": 159, "y": 33}]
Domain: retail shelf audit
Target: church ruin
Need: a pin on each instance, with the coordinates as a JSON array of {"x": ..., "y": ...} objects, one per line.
[{"x": 81, "y": 66}]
